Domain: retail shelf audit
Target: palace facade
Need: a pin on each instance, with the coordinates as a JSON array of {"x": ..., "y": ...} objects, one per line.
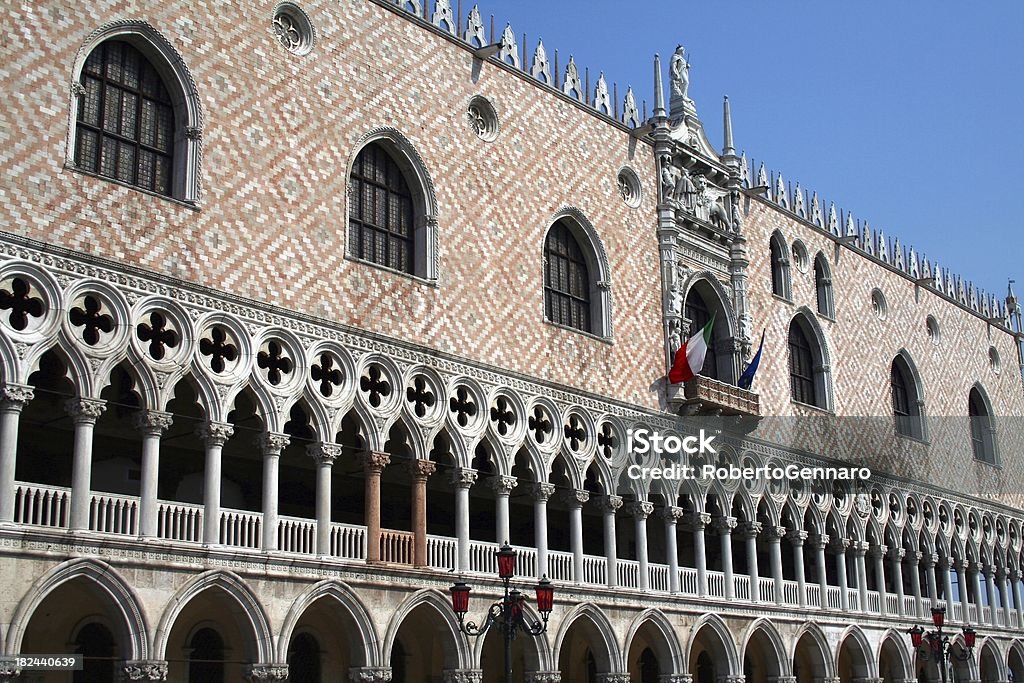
[{"x": 306, "y": 307}]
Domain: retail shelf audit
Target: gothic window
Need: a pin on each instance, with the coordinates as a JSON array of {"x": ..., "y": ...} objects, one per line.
[
  {"x": 906, "y": 399},
  {"x": 780, "y": 267},
  {"x": 381, "y": 215},
  {"x": 566, "y": 280},
  {"x": 809, "y": 372},
  {"x": 823, "y": 287},
  {"x": 126, "y": 123},
  {"x": 982, "y": 427},
  {"x": 696, "y": 311}
]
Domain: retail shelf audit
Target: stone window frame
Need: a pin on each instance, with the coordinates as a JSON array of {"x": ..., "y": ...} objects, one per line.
[
  {"x": 186, "y": 170},
  {"x": 913, "y": 425},
  {"x": 984, "y": 444},
  {"x": 426, "y": 256},
  {"x": 824, "y": 398},
  {"x": 599, "y": 272},
  {"x": 781, "y": 279},
  {"x": 824, "y": 296}
]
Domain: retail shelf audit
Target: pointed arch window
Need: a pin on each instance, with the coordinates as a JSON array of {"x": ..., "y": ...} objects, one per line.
[
  {"x": 907, "y": 403},
  {"x": 126, "y": 124},
  {"x": 781, "y": 286},
  {"x": 982, "y": 427},
  {"x": 823, "y": 287},
  {"x": 809, "y": 372},
  {"x": 566, "y": 280},
  {"x": 696, "y": 311},
  {"x": 381, "y": 216}
]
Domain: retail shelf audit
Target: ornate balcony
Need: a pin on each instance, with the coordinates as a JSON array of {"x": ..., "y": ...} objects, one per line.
[{"x": 706, "y": 396}]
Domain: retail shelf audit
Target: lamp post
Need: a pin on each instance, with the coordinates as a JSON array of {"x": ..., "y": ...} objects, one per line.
[
  {"x": 937, "y": 642},
  {"x": 508, "y": 614}
]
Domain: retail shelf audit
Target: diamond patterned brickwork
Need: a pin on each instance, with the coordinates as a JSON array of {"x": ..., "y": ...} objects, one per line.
[{"x": 280, "y": 132}]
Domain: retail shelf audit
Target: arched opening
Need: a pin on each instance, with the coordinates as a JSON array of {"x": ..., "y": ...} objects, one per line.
[
  {"x": 710, "y": 659},
  {"x": 761, "y": 662},
  {"x": 701, "y": 304},
  {"x": 304, "y": 659},
  {"x": 988, "y": 664},
  {"x": 907, "y": 402},
  {"x": 650, "y": 654},
  {"x": 823, "y": 286},
  {"x": 982, "y": 427},
  {"x": 576, "y": 276},
  {"x": 582, "y": 653},
  {"x": 808, "y": 368},
  {"x": 779, "y": 254},
  {"x": 891, "y": 662},
  {"x": 210, "y": 639},
  {"x": 423, "y": 646},
  {"x": 525, "y": 657},
  {"x": 809, "y": 659},
  {"x": 853, "y": 660}
]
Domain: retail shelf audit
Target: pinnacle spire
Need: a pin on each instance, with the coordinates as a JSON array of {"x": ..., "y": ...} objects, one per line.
[
  {"x": 659, "y": 92},
  {"x": 729, "y": 149}
]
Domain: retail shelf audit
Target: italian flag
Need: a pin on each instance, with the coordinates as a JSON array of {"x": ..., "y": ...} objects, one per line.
[{"x": 690, "y": 356}]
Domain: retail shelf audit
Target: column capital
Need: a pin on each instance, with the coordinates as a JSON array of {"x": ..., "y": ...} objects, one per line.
[
  {"x": 257, "y": 673},
  {"x": 675, "y": 678},
  {"x": 914, "y": 556},
  {"x": 544, "y": 677},
  {"x": 215, "y": 433},
  {"x": 14, "y": 397},
  {"x": 781, "y": 679},
  {"x": 974, "y": 565},
  {"x": 860, "y": 548},
  {"x": 819, "y": 542},
  {"x": 878, "y": 550},
  {"x": 152, "y": 422},
  {"x": 1015, "y": 575},
  {"x": 375, "y": 461},
  {"x": 611, "y": 503},
  {"x": 724, "y": 525},
  {"x": 542, "y": 491},
  {"x": 897, "y": 553},
  {"x": 463, "y": 676},
  {"x": 272, "y": 443},
  {"x": 85, "y": 410},
  {"x": 463, "y": 477},
  {"x": 421, "y": 469},
  {"x": 698, "y": 521},
  {"x": 751, "y": 529},
  {"x": 775, "y": 533},
  {"x": 145, "y": 670},
  {"x": 9, "y": 669},
  {"x": 930, "y": 560},
  {"x": 575, "y": 497},
  {"x": 503, "y": 483},
  {"x": 732, "y": 679},
  {"x": 672, "y": 513},
  {"x": 641, "y": 509},
  {"x": 613, "y": 678},
  {"x": 830, "y": 679},
  {"x": 324, "y": 453},
  {"x": 797, "y": 537},
  {"x": 369, "y": 674}
]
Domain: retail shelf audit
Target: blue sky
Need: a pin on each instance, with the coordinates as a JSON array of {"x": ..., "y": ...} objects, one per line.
[{"x": 908, "y": 113}]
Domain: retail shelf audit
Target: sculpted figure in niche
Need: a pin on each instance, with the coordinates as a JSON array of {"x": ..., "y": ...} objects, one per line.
[
  {"x": 669, "y": 178},
  {"x": 685, "y": 190}
]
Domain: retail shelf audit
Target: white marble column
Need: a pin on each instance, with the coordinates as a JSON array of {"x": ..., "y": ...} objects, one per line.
[
  {"x": 609, "y": 506},
  {"x": 698, "y": 521},
  {"x": 750, "y": 532},
  {"x": 860, "y": 549},
  {"x": 915, "y": 557},
  {"x": 1015, "y": 583},
  {"x": 947, "y": 585},
  {"x": 797, "y": 538},
  {"x": 541, "y": 494},
  {"x": 271, "y": 444},
  {"x": 671, "y": 514},
  {"x": 324, "y": 455},
  {"x": 965, "y": 593},
  {"x": 877, "y": 553},
  {"x": 502, "y": 486},
  {"x": 819, "y": 542},
  {"x": 152, "y": 424},
  {"x": 839, "y": 547},
  {"x": 641, "y": 510},
  {"x": 1004, "y": 589},
  {"x": 775, "y": 535},
  {"x": 993, "y": 600},
  {"x": 214, "y": 435},
  {"x": 13, "y": 399},
  {"x": 574, "y": 500},
  {"x": 462, "y": 479},
  {"x": 84, "y": 412},
  {"x": 896, "y": 557},
  {"x": 724, "y": 527}
]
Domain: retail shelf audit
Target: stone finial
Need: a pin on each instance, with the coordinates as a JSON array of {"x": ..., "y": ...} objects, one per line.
[
  {"x": 728, "y": 149},
  {"x": 571, "y": 84},
  {"x": 602, "y": 102},
  {"x": 475, "y": 28},
  {"x": 744, "y": 170},
  {"x": 762, "y": 180},
  {"x": 630, "y": 113},
  {"x": 509, "y": 52},
  {"x": 541, "y": 68},
  {"x": 816, "y": 217},
  {"x": 659, "y": 89},
  {"x": 781, "y": 197},
  {"x": 833, "y": 219},
  {"x": 443, "y": 17}
]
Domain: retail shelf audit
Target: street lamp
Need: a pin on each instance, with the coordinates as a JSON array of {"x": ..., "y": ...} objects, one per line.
[
  {"x": 937, "y": 642},
  {"x": 508, "y": 613}
]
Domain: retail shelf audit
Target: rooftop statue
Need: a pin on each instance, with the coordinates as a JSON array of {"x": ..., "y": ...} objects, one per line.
[{"x": 679, "y": 69}]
